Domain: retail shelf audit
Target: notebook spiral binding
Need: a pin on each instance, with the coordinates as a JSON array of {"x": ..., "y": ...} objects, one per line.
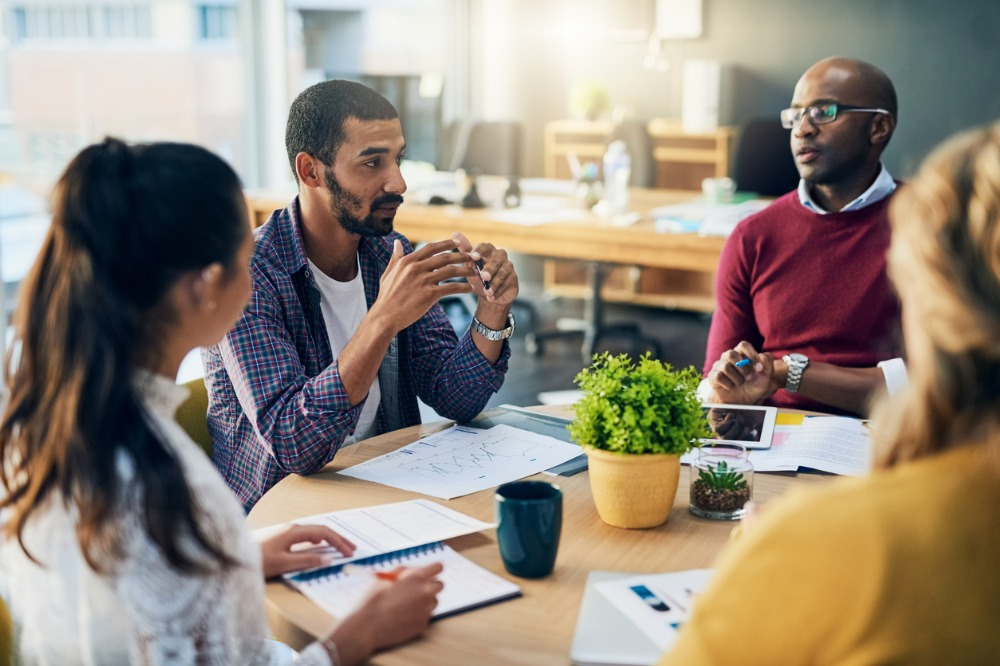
[{"x": 375, "y": 562}]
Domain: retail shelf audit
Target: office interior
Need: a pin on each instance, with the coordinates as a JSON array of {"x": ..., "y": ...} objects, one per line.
[{"x": 223, "y": 73}]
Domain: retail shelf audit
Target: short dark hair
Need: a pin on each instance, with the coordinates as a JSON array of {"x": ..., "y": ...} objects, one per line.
[{"x": 316, "y": 119}]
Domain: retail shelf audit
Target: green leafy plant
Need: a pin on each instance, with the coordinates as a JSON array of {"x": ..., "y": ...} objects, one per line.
[
  {"x": 644, "y": 407},
  {"x": 720, "y": 478},
  {"x": 588, "y": 99}
]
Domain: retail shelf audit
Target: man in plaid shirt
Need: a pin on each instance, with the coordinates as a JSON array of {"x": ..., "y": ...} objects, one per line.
[{"x": 343, "y": 331}]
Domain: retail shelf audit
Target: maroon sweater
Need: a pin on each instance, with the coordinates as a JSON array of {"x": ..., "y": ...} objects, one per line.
[{"x": 791, "y": 280}]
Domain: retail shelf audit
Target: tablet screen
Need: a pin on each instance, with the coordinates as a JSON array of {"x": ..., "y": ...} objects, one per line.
[{"x": 748, "y": 425}]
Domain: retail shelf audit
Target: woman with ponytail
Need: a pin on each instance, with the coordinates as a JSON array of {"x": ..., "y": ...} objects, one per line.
[
  {"x": 899, "y": 567},
  {"x": 120, "y": 543}
]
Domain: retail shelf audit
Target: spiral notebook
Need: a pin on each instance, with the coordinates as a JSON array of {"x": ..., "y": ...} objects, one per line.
[{"x": 466, "y": 584}]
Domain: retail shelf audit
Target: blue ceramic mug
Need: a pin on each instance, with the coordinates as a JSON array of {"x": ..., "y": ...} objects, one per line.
[{"x": 529, "y": 520}]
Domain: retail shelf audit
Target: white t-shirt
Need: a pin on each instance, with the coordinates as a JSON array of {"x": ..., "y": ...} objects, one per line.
[{"x": 344, "y": 306}]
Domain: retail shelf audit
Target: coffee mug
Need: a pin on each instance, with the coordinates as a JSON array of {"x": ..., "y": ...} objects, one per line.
[
  {"x": 529, "y": 520},
  {"x": 718, "y": 190}
]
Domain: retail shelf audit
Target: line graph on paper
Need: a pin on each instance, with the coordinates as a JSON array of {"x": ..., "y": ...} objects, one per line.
[{"x": 459, "y": 461}]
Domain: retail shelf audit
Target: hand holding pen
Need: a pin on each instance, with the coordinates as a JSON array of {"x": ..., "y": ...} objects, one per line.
[
  {"x": 493, "y": 268},
  {"x": 742, "y": 376}
]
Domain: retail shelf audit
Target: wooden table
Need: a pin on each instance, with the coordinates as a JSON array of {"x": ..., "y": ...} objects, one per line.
[
  {"x": 590, "y": 239},
  {"x": 534, "y": 629}
]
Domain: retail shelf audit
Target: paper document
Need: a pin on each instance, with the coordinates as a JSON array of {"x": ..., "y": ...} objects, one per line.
[
  {"x": 835, "y": 444},
  {"x": 466, "y": 584},
  {"x": 461, "y": 460},
  {"x": 386, "y": 528},
  {"x": 658, "y": 604},
  {"x": 702, "y": 217},
  {"x": 534, "y": 211}
]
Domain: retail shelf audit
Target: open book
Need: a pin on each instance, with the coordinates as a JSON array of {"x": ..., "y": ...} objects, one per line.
[{"x": 339, "y": 589}]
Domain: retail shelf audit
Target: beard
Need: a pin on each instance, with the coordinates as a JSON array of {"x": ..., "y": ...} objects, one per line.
[{"x": 343, "y": 201}]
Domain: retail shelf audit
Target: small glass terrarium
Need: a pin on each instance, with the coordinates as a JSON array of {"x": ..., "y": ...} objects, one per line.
[{"x": 721, "y": 482}]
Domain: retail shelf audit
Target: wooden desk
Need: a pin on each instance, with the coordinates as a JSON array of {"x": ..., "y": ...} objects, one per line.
[
  {"x": 682, "y": 159},
  {"x": 589, "y": 239},
  {"x": 535, "y": 629},
  {"x": 690, "y": 260}
]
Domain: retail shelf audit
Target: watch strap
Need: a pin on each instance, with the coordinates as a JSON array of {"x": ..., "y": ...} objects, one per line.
[
  {"x": 492, "y": 333},
  {"x": 797, "y": 365}
]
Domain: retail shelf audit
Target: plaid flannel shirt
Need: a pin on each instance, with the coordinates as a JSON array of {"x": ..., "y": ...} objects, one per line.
[{"x": 277, "y": 404}]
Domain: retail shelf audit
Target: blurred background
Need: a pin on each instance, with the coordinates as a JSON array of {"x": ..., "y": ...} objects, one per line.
[{"x": 223, "y": 73}]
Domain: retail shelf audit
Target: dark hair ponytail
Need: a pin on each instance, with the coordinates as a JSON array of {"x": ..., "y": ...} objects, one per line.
[{"x": 128, "y": 221}]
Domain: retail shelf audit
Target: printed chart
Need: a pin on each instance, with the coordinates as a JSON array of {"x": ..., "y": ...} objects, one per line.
[{"x": 460, "y": 461}]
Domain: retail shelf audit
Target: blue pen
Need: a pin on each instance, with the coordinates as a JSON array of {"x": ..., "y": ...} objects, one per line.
[{"x": 743, "y": 362}]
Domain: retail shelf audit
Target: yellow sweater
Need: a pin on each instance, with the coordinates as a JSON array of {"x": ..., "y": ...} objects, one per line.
[{"x": 901, "y": 567}]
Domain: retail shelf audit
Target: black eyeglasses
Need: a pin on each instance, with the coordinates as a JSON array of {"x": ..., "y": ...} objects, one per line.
[{"x": 821, "y": 114}]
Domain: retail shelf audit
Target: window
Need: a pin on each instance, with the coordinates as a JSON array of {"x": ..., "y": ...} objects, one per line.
[
  {"x": 77, "y": 22},
  {"x": 216, "y": 22}
]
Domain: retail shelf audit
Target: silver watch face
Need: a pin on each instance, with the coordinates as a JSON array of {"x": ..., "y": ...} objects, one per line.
[{"x": 800, "y": 359}]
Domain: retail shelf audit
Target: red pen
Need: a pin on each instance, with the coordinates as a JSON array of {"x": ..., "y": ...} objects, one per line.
[{"x": 353, "y": 569}]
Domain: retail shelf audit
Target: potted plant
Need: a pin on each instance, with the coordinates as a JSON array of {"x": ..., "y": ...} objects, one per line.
[
  {"x": 588, "y": 99},
  {"x": 635, "y": 421},
  {"x": 724, "y": 482}
]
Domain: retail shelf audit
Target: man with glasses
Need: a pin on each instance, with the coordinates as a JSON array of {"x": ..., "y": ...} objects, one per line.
[{"x": 804, "y": 310}]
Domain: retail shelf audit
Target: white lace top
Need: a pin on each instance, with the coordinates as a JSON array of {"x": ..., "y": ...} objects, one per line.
[{"x": 144, "y": 612}]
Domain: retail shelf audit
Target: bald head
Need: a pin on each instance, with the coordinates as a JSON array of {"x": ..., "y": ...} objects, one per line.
[
  {"x": 859, "y": 82},
  {"x": 839, "y": 155}
]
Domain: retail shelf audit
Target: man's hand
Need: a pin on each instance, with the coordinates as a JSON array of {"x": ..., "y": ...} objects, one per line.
[
  {"x": 750, "y": 383},
  {"x": 413, "y": 282},
  {"x": 279, "y": 557},
  {"x": 494, "y": 269}
]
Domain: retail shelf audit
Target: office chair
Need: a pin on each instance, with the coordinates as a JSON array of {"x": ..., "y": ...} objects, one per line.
[
  {"x": 764, "y": 162},
  {"x": 488, "y": 147},
  {"x": 192, "y": 415},
  {"x": 593, "y": 329}
]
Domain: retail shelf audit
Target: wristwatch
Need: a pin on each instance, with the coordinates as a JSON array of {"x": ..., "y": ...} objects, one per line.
[
  {"x": 797, "y": 364},
  {"x": 491, "y": 333}
]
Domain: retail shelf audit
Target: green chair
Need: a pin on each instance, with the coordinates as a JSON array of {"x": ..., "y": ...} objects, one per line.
[
  {"x": 6, "y": 635},
  {"x": 192, "y": 415}
]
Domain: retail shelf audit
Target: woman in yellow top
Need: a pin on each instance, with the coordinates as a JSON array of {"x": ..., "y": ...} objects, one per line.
[{"x": 900, "y": 567}]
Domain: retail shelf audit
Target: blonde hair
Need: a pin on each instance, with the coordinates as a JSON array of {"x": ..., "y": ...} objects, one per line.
[{"x": 945, "y": 262}]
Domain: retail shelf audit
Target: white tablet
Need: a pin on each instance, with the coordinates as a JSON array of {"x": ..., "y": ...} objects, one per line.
[{"x": 747, "y": 425}]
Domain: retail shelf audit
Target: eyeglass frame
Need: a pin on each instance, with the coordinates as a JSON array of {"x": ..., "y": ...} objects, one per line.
[{"x": 803, "y": 111}]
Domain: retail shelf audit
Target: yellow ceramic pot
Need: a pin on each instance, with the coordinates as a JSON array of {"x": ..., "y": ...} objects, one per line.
[{"x": 633, "y": 490}]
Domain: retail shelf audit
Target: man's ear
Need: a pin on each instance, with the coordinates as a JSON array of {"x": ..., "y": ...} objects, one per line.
[
  {"x": 882, "y": 127},
  {"x": 309, "y": 170}
]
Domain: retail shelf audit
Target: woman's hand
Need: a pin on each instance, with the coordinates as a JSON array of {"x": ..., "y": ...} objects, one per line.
[
  {"x": 280, "y": 556},
  {"x": 393, "y": 612}
]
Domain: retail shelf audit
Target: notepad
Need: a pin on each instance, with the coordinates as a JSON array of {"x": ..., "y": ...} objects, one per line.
[{"x": 466, "y": 584}]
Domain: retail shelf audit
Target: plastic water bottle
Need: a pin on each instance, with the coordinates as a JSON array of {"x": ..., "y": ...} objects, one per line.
[{"x": 617, "y": 170}]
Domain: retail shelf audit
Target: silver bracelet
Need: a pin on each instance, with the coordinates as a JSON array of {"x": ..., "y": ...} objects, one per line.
[{"x": 331, "y": 649}]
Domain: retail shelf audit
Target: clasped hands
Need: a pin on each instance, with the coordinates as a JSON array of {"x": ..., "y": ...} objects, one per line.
[
  {"x": 413, "y": 282},
  {"x": 749, "y": 383}
]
